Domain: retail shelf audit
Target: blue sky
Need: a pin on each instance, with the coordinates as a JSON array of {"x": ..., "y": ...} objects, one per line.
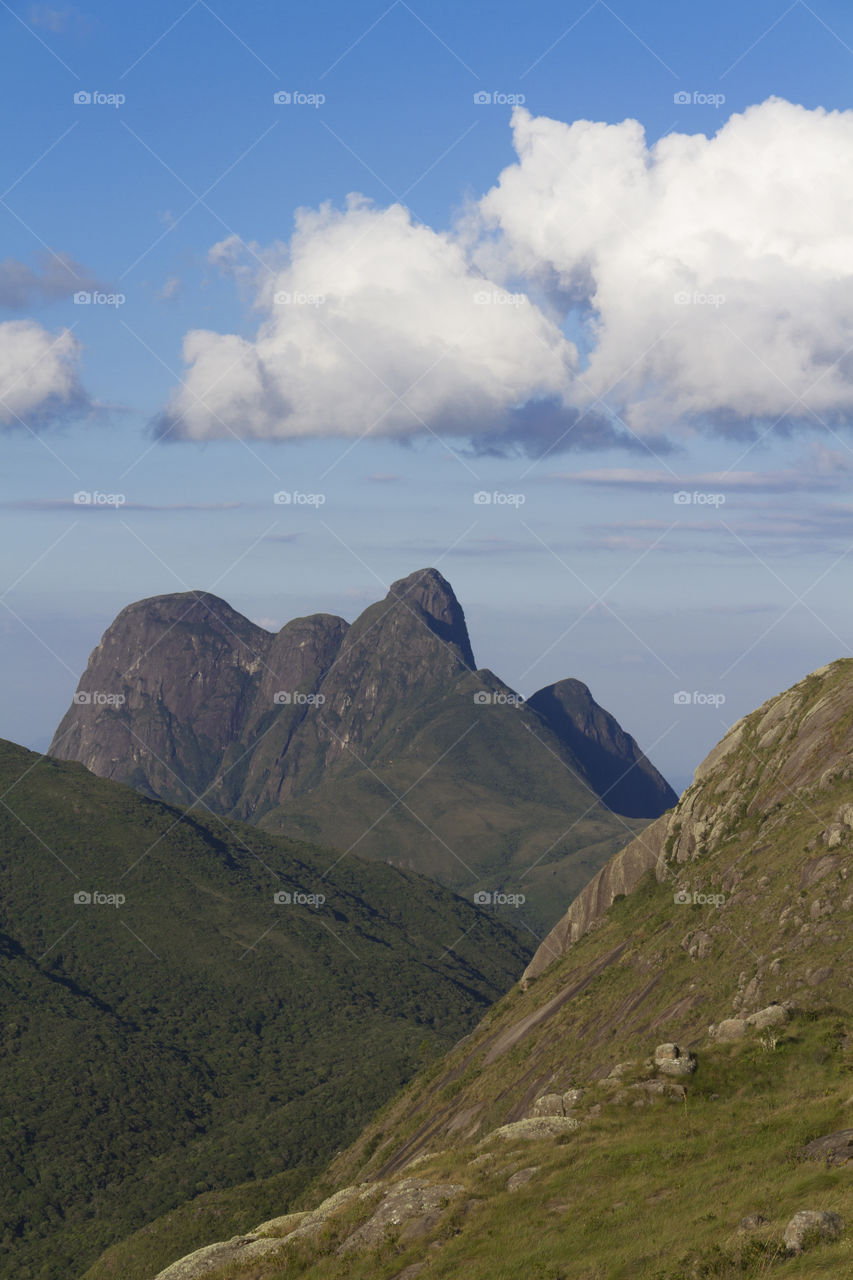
[{"x": 599, "y": 573}]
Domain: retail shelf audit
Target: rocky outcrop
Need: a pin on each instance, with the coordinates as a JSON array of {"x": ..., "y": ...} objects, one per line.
[
  {"x": 672, "y": 1061},
  {"x": 411, "y": 1207},
  {"x": 774, "y": 1015},
  {"x": 534, "y": 1128}
]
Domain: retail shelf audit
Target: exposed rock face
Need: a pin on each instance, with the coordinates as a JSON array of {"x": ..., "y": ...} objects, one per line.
[
  {"x": 819, "y": 1223},
  {"x": 798, "y": 742},
  {"x": 621, "y": 874},
  {"x": 412, "y": 1204},
  {"x": 165, "y": 692},
  {"x": 323, "y": 729},
  {"x": 617, "y": 768}
]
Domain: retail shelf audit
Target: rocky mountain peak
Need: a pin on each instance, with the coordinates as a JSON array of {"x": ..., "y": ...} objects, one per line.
[{"x": 430, "y": 596}]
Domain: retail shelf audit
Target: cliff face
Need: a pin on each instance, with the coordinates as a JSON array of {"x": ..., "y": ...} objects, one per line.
[
  {"x": 164, "y": 693},
  {"x": 797, "y": 744}
]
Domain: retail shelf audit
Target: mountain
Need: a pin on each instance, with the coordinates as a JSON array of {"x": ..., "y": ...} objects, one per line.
[
  {"x": 170, "y": 1028},
  {"x": 617, "y": 769},
  {"x": 380, "y": 736},
  {"x": 670, "y": 1096}
]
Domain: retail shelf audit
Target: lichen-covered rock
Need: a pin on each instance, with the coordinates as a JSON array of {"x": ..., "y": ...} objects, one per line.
[
  {"x": 820, "y": 1223},
  {"x": 670, "y": 1060},
  {"x": 774, "y": 1015},
  {"x": 261, "y": 1242},
  {"x": 557, "y": 1104},
  {"x": 550, "y": 1104},
  {"x": 213, "y": 1257},
  {"x": 412, "y": 1204},
  {"x": 521, "y": 1177},
  {"x": 729, "y": 1029},
  {"x": 535, "y": 1128}
]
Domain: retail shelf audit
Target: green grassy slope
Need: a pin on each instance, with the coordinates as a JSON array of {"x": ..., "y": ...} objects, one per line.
[{"x": 752, "y": 904}]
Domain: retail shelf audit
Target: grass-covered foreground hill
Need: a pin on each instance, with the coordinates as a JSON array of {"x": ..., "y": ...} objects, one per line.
[
  {"x": 175, "y": 1031},
  {"x": 667, "y": 1099}
]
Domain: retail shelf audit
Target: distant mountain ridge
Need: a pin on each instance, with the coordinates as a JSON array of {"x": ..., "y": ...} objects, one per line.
[{"x": 380, "y": 736}]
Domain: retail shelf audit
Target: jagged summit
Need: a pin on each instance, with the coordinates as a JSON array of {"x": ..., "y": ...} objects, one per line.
[
  {"x": 378, "y": 736},
  {"x": 431, "y": 593}
]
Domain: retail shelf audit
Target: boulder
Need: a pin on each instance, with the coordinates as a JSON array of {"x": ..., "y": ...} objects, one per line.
[
  {"x": 550, "y": 1104},
  {"x": 672, "y": 1062},
  {"x": 819, "y": 1223},
  {"x": 557, "y": 1104},
  {"x": 519, "y": 1179},
  {"x": 729, "y": 1029},
  {"x": 772, "y": 1016},
  {"x": 834, "y": 1149}
]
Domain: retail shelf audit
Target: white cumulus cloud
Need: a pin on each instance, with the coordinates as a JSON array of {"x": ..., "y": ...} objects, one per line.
[
  {"x": 39, "y": 374},
  {"x": 705, "y": 281},
  {"x": 714, "y": 273},
  {"x": 375, "y": 324}
]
